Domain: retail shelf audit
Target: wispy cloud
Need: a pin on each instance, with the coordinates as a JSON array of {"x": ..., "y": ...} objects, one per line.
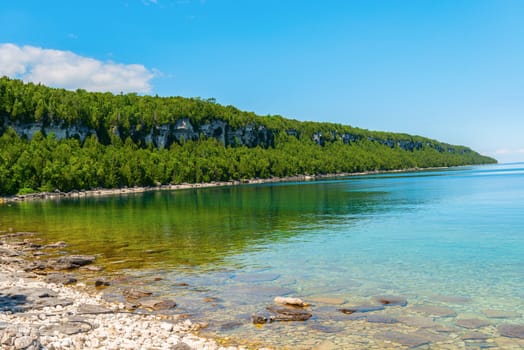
[
  {"x": 506, "y": 151},
  {"x": 70, "y": 71}
]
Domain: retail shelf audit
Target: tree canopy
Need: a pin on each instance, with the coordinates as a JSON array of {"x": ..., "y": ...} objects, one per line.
[{"x": 116, "y": 152}]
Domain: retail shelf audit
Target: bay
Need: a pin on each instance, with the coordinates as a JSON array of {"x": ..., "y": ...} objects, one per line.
[{"x": 447, "y": 239}]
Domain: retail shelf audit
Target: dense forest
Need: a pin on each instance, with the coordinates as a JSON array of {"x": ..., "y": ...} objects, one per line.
[{"x": 54, "y": 139}]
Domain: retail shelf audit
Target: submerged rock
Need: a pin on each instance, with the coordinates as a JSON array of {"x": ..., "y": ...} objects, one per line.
[
  {"x": 257, "y": 319},
  {"x": 472, "y": 323},
  {"x": 406, "y": 339},
  {"x": 381, "y": 319},
  {"x": 390, "y": 300},
  {"x": 418, "y": 321},
  {"x": 512, "y": 330},
  {"x": 70, "y": 262},
  {"x": 134, "y": 294},
  {"x": 475, "y": 336},
  {"x": 289, "y": 314},
  {"x": 230, "y": 325},
  {"x": 158, "y": 305},
  {"x": 360, "y": 309},
  {"x": 500, "y": 313},
  {"x": 101, "y": 282}
]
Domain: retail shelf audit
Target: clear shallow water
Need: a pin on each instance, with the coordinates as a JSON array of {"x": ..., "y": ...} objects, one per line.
[{"x": 449, "y": 238}]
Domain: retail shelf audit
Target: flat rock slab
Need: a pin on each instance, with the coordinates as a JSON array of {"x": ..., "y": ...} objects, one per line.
[
  {"x": 391, "y": 300},
  {"x": 289, "y": 314},
  {"x": 500, "y": 313},
  {"x": 471, "y": 335},
  {"x": 22, "y": 299},
  {"x": 326, "y": 329},
  {"x": 381, "y": 319},
  {"x": 418, "y": 321},
  {"x": 360, "y": 309},
  {"x": 8, "y": 252},
  {"x": 67, "y": 328},
  {"x": 158, "y": 305},
  {"x": 70, "y": 262},
  {"x": 436, "y": 311},
  {"x": 512, "y": 330},
  {"x": 92, "y": 309},
  {"x": 429, "y": 335},
  {"x": 472, "y": 323},
  {"x": 406, "y": 339},
  {"x": 135, "y": 294}
]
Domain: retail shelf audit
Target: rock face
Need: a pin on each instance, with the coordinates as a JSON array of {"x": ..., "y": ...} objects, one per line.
[{"x": 164, "y": 135}]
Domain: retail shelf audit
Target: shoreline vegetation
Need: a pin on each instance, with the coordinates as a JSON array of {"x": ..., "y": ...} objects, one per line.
[
  {"x": 102, "y": 192},
  {"x": 69, "y": 140}
]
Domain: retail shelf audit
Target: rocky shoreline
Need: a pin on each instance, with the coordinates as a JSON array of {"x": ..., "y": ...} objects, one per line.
[
  {"x": 39, "y": 310},
  {"x": 170, "y": 187}
]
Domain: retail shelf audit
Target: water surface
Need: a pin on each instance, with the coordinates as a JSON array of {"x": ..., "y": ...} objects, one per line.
[{"x": 450, "y": 238}]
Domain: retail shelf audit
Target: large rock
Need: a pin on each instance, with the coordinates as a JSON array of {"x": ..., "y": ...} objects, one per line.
[
  {"x": 8, "y": 252},
  {"x": 60, "y": 278},
  {"x": 158, "y": 305},
  {"x": 70, "y": 262},
  {"x": 290, "y": 301},
  {"x": 134, "y": 294},
  {"x": 288, "y": 314},
  {"x": 258, "y": 319},
  {"x": 512, "y": 330}
]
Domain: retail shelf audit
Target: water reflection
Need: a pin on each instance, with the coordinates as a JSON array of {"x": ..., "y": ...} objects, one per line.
[{"x": 192, "y": 227}]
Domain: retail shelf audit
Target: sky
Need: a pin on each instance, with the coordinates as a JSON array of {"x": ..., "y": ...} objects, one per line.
[{"x": 451, "y": 70}]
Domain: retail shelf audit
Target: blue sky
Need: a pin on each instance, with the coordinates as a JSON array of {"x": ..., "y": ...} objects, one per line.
[{"x": 452, "y": 70}]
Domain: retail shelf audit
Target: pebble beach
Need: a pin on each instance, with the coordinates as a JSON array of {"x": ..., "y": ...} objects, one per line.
[{"x": 35, "y": 314}]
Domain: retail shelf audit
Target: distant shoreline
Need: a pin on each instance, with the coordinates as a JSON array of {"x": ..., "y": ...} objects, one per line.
[{"x": 184, "y": 186}]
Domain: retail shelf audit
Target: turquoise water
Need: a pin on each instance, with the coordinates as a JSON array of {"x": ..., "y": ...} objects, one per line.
[{"x": 450, "y": 238}]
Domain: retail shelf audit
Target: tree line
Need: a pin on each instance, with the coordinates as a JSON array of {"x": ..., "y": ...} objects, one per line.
[{"x": 47, "y": 163}]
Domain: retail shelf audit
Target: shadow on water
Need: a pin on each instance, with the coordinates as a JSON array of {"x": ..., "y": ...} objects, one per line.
[{"x": 192, "y": 227}]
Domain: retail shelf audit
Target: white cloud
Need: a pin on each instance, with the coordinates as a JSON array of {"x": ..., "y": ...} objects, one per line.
[
  {"x": 505, "y": 151},
  {"x": 68, "y": 70}
]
